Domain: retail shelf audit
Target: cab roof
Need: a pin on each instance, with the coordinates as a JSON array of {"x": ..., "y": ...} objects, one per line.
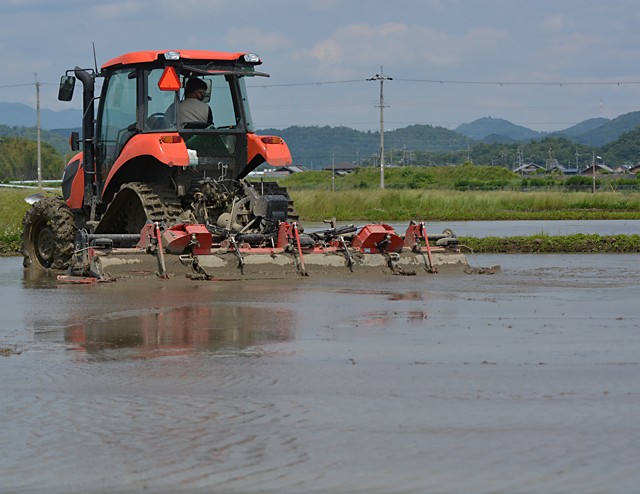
[{"x": 138, "y": 57}]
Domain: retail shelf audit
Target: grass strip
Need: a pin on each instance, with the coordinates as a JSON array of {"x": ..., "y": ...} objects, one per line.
[
  {"x": 578, "y": 243},
  {"x": 452, "y": 205}
]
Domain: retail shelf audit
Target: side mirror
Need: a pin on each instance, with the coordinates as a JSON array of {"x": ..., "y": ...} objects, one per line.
[
  {"x": 207, "y": 94},
  {"x": 67, "y": 85},
  {"x": 74, "y": 141}
]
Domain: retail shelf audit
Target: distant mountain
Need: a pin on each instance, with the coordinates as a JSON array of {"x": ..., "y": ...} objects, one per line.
[
  {"x": 498, "y": 139},
  {"x": 426, "y": 138},
  {"x": 581, "y": 128},
  {"x": 594, "y": 132},
  {"x": 320, "y": 146},
  {"x": 610, "y": 131},
  {"x": 12, "y": 114},
  {"x": 626, "y": 149},
  {"x": 59, "y": 141},
  {"x": 487, "y": 126}
]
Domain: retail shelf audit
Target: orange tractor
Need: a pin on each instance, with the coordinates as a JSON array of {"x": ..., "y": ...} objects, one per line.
[{"x": 159, "y": 174}]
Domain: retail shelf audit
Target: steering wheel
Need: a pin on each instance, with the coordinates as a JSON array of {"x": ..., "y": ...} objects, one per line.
[{"x": 155, "y": 120}]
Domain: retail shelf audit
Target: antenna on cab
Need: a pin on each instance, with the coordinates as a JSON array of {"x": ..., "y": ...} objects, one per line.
[{"x": 95, "y": 60}]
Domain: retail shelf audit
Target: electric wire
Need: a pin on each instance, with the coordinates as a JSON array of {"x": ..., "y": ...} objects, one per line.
[
  {"x": 457, "y": 82},
  {"x": 523, "y": 83},
  {"x": 427, "y": 81}
]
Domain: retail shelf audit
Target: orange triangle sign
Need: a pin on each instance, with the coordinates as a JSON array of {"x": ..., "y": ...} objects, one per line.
[{"x": 169, "y": 80}]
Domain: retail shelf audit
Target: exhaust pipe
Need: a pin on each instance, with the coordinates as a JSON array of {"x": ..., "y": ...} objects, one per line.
[{"x": 88, "y": 117}]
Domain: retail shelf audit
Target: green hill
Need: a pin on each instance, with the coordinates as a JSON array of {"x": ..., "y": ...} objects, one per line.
[
  {"x": 625, "y": 149},
  {"x": 610, "y": 131},
  {"x": 318, "y": 147},
  {"x": 487, "y": 126},
  {"x": 56, "y": 139},
  {"x": 594, "y": 132},
  {"x": 581, "y": 128}
]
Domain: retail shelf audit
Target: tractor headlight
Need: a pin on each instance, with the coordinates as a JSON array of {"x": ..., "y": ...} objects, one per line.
[{"x": 251, "y": 58}]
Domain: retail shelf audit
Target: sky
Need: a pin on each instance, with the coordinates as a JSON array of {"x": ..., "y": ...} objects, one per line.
[{"x": 543, "y": 64}]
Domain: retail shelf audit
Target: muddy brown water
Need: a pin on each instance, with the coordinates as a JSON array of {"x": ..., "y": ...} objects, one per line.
[{"x": 527, "y": 380}]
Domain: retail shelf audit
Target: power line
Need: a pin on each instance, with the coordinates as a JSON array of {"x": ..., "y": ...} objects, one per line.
[
  {"x": 524, "y": 83},
  {"x": 427, "y": 81},
  {"x": 27, "y": 84},
  {"x": 16, "y": 85},
  {"x": 479, "y": 83},
  {"x": 316, "y": 83}
]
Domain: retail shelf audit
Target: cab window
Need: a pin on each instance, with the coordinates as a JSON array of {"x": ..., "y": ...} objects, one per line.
[
  {"x": 157, "y": 104},
  {"x": 118, "y": 117},
  {"x": 160, "y": 113}
]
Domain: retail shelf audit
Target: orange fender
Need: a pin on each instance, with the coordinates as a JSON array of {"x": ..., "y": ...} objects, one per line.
[{"x": 272, "y": 149}]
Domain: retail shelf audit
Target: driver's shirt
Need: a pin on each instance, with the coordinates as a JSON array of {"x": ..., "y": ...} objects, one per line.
[{"x": 192, "y": 110}]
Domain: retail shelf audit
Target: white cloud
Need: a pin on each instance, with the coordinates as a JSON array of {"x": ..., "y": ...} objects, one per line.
[
  {"x": 480, "y": 39},
  {"x": 363, "y": 44},
  {"x": 320, "y": 5},
  {"x": 246, "y": 38},
  {"x": 555, "y": 22},
  {"x": 117, "y": 10},
  {"x": 359, "y": 45}
]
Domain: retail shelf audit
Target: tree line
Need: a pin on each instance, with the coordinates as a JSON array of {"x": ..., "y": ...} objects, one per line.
[
  {"x": 424, "y": 145},
  {"x": 319, "y": 147},
  {"x": 19, "y": 160}
]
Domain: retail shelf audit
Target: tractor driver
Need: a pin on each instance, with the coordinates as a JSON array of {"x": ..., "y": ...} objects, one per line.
[{"x": 193, "y": 112}]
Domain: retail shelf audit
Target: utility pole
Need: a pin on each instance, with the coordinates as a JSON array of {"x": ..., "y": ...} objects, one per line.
[
  {"x": 519, "y": 159},
  {"x": 38, "y": 131},
  {"x": 333, "y": 171},
  {"x": 593, "y": 170},
  {"x": 380, "y": 77}
]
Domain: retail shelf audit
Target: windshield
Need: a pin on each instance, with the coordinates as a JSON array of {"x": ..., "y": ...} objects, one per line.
[
  {"x": 118, "y": 116},
  {"x": 211, "y": 101}
]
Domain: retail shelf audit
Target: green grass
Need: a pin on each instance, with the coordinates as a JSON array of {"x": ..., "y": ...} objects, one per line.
[
  {"x": 452, "y": 205},
  {"x": 12, "y": 209},
  {"x": 465, "y": 177},
  {"x": 416, "y": 177},
  {"x": 541, "y": 243}
]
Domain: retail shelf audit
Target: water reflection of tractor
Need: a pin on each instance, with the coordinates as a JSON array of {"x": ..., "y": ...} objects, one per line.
[
  {"x": 180, "y": 330},
  {"x": 154, "y": 177}
]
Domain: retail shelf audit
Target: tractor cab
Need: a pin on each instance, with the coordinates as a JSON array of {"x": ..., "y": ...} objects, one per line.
[{"x": 141, "y": 97}]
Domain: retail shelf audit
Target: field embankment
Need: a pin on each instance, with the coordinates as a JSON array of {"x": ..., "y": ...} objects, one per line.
[
  {"x": 454, "y": 205},
  {"x": 547, "y": 244}
]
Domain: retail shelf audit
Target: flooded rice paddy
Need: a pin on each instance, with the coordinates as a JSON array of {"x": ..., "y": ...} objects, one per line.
[{"x": 527, "y": 380}]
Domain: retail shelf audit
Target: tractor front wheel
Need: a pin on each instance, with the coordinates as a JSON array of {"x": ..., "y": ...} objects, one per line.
[{"x": 47, "y": 235}]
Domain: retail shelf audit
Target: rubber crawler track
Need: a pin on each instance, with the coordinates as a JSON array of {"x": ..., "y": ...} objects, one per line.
[{"x": 135, "y": 204}]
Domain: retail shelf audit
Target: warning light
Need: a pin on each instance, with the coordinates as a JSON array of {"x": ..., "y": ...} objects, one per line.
[
  {"x": 171, "y": 139},
  {"x": 271, "y": 140},
  {"x": 169, "y": 80}
]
